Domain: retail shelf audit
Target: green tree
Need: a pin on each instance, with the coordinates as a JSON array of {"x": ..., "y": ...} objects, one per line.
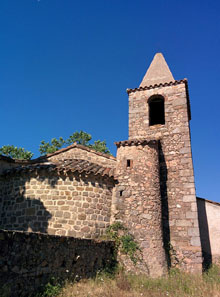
[
  {"x": 15, "y": 152},
  {"x": 80, "y": 137},
  {"x": 100, "y": 146},
  {"x": 51, "y": 147}
]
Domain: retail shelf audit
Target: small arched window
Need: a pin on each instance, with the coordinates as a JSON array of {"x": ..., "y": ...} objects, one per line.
[{"x": 156, "y": 111}]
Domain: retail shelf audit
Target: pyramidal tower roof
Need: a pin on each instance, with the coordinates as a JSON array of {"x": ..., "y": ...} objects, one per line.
[{"x": 158, "y": 72}]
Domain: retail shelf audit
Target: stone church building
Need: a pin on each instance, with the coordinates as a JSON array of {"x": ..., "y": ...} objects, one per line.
[{"x": 149, "y": 186}]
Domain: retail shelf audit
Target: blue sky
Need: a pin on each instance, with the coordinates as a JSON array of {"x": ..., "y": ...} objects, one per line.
[{"x": 65, "y": 66}]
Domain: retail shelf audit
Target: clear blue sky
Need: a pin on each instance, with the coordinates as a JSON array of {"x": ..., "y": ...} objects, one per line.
[{"x": 65, "y": 66}]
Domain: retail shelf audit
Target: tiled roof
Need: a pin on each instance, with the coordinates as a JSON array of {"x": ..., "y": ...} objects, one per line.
[
  {"x": 140, "y": 141},
  {"x": 171, "y": 83},
  {"x": 64, "y": 167}
]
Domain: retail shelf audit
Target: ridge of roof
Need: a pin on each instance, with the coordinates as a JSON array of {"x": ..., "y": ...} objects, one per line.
[
  {"x": 167, "y": 84},
  {"x": 63, "y": 167}
]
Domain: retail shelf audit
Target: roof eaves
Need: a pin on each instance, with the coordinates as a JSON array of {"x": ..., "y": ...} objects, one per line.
[
  {"x": 74, "y": 165},
  {"x": 171, "y": 83},
  {"x": 140, "y": 141}
]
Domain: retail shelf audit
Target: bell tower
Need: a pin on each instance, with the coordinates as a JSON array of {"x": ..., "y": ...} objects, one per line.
[
  {"x": 159, "y": 109},
  {"x": 155, "y": 197}
]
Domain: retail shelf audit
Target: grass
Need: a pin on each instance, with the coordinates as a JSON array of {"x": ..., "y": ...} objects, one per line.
[{"x": 177, "y": 284}]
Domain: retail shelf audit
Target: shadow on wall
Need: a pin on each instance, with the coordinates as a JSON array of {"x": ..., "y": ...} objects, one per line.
[
  {"x": 164, "y": 204},
  {"x": 204, "y": 234},
  {"x": 32, "y": 216},
  {"x": 19, "y": 210}
]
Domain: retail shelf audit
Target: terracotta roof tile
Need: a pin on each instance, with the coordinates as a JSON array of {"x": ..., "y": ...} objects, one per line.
[
  {"x": 140, "y": 141},
  {"x": 70, "y": 165},
  {"x": 171, "y": 83}
]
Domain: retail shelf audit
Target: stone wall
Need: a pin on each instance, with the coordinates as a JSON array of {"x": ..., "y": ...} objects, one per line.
[
  {"x": 176, "y": 171},
  {"x": 29, "y": 260},
  {"x": 74, "y": 204},
  {"x": 77, "y": 151},
  {"x": 137, "y": 203}
]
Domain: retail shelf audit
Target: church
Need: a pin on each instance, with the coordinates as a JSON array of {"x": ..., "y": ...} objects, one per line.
[{"x": 149, "y": 187}]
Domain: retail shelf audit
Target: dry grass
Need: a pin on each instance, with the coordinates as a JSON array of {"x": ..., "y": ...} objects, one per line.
[{"x": 175, "y": 285}]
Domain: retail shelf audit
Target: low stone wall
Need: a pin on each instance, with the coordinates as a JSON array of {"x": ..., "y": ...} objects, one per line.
[{"x": 29, "y": 260}]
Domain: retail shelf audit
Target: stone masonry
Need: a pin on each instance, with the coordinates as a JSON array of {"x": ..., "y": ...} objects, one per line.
[
  {"x": 177, "y": 177},
  {"x": 138, "y": 203},
  {"x": 28, "y": 261},
  {"x": 62, "y": 203}
]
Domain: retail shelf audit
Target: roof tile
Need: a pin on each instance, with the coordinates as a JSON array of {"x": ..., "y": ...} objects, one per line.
[{"x": 73, "y": 165}]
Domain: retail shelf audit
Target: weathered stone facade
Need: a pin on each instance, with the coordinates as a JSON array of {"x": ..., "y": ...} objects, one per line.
[
  {"x": 70, "y": 204},
  {"x": 138, "y": 203},
  {"x": 149, "y": 187},
  {"x": 177, "y": 177}
]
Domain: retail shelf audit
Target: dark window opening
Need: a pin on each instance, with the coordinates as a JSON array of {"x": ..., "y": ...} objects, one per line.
[
  {"x": 121, "y": 192},
  {"x": 156, "y": 111},
  {"x": 128, "y": 163}
]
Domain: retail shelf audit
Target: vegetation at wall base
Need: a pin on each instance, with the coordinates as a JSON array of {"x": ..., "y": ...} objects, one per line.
[
  {"x": 51, "y": 289},
  {"x": 176, "y": 284}
]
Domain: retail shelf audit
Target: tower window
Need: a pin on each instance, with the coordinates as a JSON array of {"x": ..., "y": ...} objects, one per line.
[
  {"x": 129, "y": 163},
  {"x": 156, "y": 111}
]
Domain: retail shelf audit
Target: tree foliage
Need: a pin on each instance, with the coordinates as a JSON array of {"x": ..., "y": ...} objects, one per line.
[
  {"x": 52, "y": 146},
  {"x": 80, "y": 137},
  {"x": 15, "y": 152},
  {"x": 55, "y": 144},
  {"x": 100, "y": 146}
]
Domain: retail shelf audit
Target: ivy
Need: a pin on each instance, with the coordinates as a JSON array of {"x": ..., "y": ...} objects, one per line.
[{"x": 124, "y": 241}]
